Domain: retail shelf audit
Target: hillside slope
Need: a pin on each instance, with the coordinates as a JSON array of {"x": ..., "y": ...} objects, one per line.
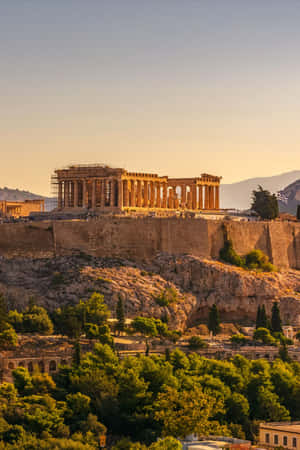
[{"x": 196, "y": 284}]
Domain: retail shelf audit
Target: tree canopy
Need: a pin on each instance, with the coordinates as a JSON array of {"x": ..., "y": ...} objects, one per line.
[{"x": 264, "y": 204}]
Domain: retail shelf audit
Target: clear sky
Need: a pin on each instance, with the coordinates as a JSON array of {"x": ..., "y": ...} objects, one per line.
[{"x": 177, "y": 87}]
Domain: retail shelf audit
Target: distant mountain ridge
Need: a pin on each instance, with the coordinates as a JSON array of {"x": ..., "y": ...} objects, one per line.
[{"x": 238, "y": 195}]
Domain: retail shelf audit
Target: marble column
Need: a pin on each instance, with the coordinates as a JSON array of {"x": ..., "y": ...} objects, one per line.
[
  {"x": 200, "y": 197},
  {"x": 158, "y": 193},
  {"x": 171, "y": 198},
  {"x": 165, "y": 195},
  {"x": 102, "y": 193},
  {"x": 93, "y": 194},
  {"x": 183, "y": 196},
  {"x": 59, "y": 199},
  {"x": 211, "y": 198},
  {"x": 189, "y": 201},
  {"x": 120, "y": 194},
  {"x": 217, "y": 197},
  {"x": 126, "y": 192},
  {"x": 112, "y": 193},
  {"x": 133, "y": 194},
  {"x": 139, "y": 194},
  {"x": 152, "y": 194},
  {"x": 84, "y": 192},
  {"x": 194, "y": 196},
  {"x": 146, "y": 196},
  {"x": 76, "y": 194},
  {"x": 66, "y": 194},
  {"x": 206, "y": 198}
]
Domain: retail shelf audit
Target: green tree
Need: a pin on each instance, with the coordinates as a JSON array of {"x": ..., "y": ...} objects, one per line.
[
  {"x": 147, "y": 327},
  {"x": 214, "y": 320},
  {"x": 195, "y": 342},
  {"x": 8, "y": 338},
  {"x": 264, "y": 335},
  {"x": 120, "y": 314},
  {"x": 239, "y": 339},
  {"x": 265, "y": 204},
  {"x": 298, "y": 212},
  {"x": 168, "y": 443},
  {"x": 237, "y": 407},
  {"x": 36, "y": 320},
  {"x": 186, "y": 412},
  {"x": 275, "y": 319},
  {"x": 261, "y": 317},
  {"x": 93, "y": 310}
]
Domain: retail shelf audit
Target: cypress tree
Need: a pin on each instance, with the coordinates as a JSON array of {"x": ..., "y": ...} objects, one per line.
[
  {"x": 263, "y": 317},
  {"x": 298, "y": 212},
  {"x": 214, "y": 320},
  {"x": 276, "y": 320},
  {"x": 120, "y": 313}
]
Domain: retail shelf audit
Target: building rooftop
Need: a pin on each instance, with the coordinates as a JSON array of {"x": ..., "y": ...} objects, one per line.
[{"x": 282, "y": 426}]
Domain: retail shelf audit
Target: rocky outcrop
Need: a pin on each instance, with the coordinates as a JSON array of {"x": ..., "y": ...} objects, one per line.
[{"x": 195, "y": 283}]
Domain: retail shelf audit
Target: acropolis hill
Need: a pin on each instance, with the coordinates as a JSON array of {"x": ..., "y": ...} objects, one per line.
[{"x": 180, "y": 249}]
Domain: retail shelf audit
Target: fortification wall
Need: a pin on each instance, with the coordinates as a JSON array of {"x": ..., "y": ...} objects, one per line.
[
  {"x": 143, "y": 238},
  {"x": 26, "y": 240}
]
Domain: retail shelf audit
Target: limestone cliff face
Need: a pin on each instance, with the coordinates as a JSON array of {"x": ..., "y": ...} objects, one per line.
[
  {"x": 236, "y": 292},
  {"x": 198, "y": 284}
]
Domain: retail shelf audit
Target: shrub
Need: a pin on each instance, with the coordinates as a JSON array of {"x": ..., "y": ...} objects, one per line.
[
  {"x": 229, "y": 255},
  {"x": 196, "y": 342},
  {"x": 8, "y": 338},
  {"x": 238, "y": 339},
  {"x": 264, "y": 335},
  {"x": 257, "y": 260},
  {"x": 167, "y": 297},
  {"x": 254, "y": 260}
]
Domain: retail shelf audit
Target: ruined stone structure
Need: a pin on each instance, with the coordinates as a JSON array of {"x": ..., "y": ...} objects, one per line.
[
  {"x": 105, "y": 188},
  {"x": 46, "y": 353},
  {"x": 20, "y": 209}
]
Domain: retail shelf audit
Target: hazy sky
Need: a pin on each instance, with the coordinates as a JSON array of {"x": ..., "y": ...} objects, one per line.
[{"x": 177, "y": 87}]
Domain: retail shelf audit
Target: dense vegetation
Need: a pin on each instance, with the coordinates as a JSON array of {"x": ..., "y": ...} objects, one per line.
[
  {"x": 143, "y": 398},
  {"x": 136, "y": 400},
  {"x": 254, "y": 260}
]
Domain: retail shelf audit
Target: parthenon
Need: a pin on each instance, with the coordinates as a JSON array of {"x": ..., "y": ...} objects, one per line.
[{"x": 105, "y": 188}]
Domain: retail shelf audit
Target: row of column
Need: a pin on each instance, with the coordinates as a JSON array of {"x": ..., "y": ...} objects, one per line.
[
  {"x": 111, "y": 192},
  {"x": 93, "y": 193},
  {"x": 156, "y": 194}
]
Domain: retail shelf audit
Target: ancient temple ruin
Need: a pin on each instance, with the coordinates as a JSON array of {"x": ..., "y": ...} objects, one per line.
[{"x": 100, "y": 187}]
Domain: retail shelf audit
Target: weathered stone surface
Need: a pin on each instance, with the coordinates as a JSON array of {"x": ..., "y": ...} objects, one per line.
[
  {"x": 141, "y": 239},
  {"x": 198, "y": 284}
]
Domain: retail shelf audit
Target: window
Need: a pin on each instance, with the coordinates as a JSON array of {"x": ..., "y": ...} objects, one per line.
[
  {"x": 295, "y": 442},
  {"x": 267, "y": 438},
  {"x": 285, "y": 441},
  {"x": 276, "y": 439}
]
